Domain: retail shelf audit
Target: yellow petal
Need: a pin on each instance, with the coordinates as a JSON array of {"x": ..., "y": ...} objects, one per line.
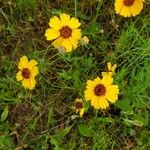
[
  {"x": 88, "y": 95},
  {"x": 58, "y": 42},
  {"x": 26, "y": 83},
  {"x": 74, "y": 23},
  {"x": 109, "y": 66},
  {"x": 19, "y": 76},
  {"x": 104, "y": 73},
  {"x": 76, "y": 34},
  {"x": 52, "y": 34},
  {"x": 66, "y": 43},
  {"x": 137, "y": 7},
  {"x": 125, "y": 11},
  {"x": 107, "y": 80},
  {"x": 118, "y": 6},
  {"x": 95, "y": 102},
  {"x": 78, "y": 100},
  {"x": 114, "y": 67},
  {"x": 34, "y": 71},
  {"x": 73, "y": 42},
  {"x": 32, "y": 63},
  {"x": 103, "y": 103},
  {"x": 97, "y": 81},
  {"x": 32, "y": 83},
  {"x": 55, "y": 23},
  {"x": 23, "y": 63},
  {"x": 81, "y": 112},
  {"x": 65, "y": 19},
  {"x": 112, "y": 93}
]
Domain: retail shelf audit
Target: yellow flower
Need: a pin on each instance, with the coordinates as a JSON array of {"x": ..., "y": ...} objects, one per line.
[
  {"x": 27, "y": 72},
  {"x": 65, "y": 31},
  {"x": 111, "y": 69},
  {"x": 78, "y": 107},
  {"x": 100, "y": 91},
  {"x": 128, "y": 8}
]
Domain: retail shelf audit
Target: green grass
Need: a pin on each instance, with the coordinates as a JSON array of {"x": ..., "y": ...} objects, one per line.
[{"x": 42, "y": 119}]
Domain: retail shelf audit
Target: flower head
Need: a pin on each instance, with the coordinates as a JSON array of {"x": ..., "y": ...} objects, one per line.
[
  {"x": 79, "y": 107},
  {"x": 85, "y": 40},
  {"x": 65, "y": 31},
  {"x": 27, "y": 72},
  {"x": 128, "y": 8},
  {"x": 111, "y": 69},
  {"x": 101, "y": 91}
]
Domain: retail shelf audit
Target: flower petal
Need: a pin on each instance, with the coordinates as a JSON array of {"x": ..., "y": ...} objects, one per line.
[
  {"x": 95, "y": 102},
  {"x": 58, "y": 42},
  {"x": 104, "y": 74},
  {"x": 32, "y": 83},
  {"x": 76, "y": 34},
  {"x": 103, "y": 103},
  {"x": 55, "y": 23},
  {"x": 26, "y": 83},
  {"x": 125, "y": 11},
  {"x": 66, "y": 43},
  {"x": 23, "y": 63},
  {"x": 32, "y": 63},
  {"x": 118, "y": 6},
  {"x": 74, "y": 23},
  {"x": 112, "y": 92},
  {"x": 81, "y": 112},
  {"x": 65, "y": 19},
  {"x": 107, "y": 80},
  {"x": 109, "y": 65},
  {"x": 137, "y": 7},
  {"x": 34, "y": 71},
  {"x": 88, "y": 94},
  {"x": 19, "y": 76},
  {"x": 73, "y": 42},
  {"x": 52, "y": 34}
]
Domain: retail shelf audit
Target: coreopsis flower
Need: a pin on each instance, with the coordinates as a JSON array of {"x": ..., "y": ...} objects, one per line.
[
  {"x": 111, "y": 69},
  {"x": 79, "y": 107},
  {"x": 64, "y": 31},
  {"x": 101, "y": 91},
  {"x": 27, "y": 72},
  {"x": 128, "y": 8}
]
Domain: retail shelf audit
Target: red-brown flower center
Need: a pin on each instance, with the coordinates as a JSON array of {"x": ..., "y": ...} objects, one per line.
[
  {"x": 26, "y": 73},
  {"x": 128, "y": 2},
  {"x": 65, "y": 32},
  {"x": 100, "y": 90},
  {"x": 78, "y": 105}
]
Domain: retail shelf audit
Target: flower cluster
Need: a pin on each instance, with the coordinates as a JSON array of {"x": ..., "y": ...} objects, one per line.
[
  {"x": 64, "y": 30},
  {"x": 99, "y": 91},
  {"x": 66, "y": 34}
]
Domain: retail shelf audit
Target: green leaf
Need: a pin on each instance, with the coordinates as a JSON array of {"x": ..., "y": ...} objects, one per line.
[
  {"x": 58, "y": 148},
  {"x": 141, "y": 120},
  {"x": 54, "y": 141},
  {"x": 129, "y": 122},
  {"x": 125, "y": 107},
  {"x": 84, "y": 130},
  {"x": 4, "y": 114},
  {"x": 64, "y": 132}
]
